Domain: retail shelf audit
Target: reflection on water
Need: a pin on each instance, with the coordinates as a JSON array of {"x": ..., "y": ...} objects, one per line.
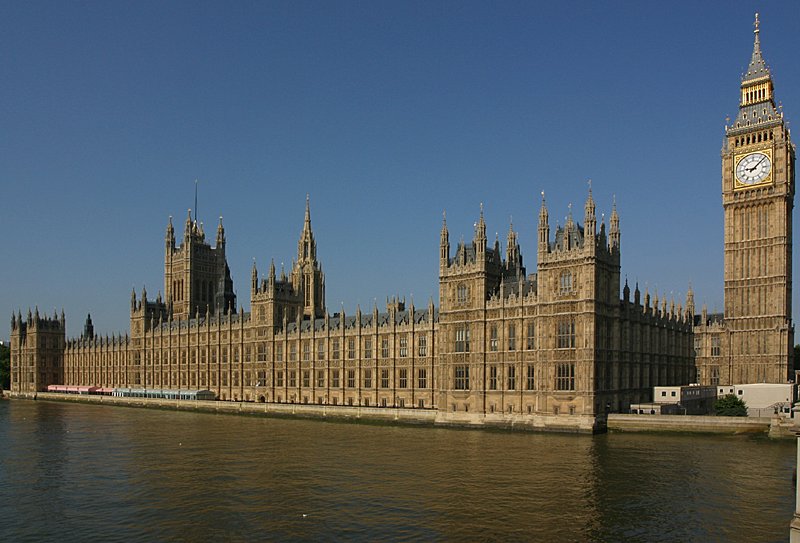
[{"x": 75, "y": 472}]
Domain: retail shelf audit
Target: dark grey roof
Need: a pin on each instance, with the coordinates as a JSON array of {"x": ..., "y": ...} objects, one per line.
[
  {"x": 761, "y": 113},
  {"x": 572, "y": 232},
  {"x": 757, "y": 69}
]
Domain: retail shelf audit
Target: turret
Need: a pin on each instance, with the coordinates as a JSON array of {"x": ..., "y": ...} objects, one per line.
[
  {"x": 187, "y": 228},
  {"x": 254, "y": 279},
  {"x": 589, "y": 220},
  {"x": 220, "y": 234},
  {"x": 444, "y": 244},
  {"x": 690, "y": 303},
  {"x": 169, "y": 238},
  {"x": 613, "y": 231},
  {"x": 479, "y": 240},
  {"x": 544, "y": 228}
]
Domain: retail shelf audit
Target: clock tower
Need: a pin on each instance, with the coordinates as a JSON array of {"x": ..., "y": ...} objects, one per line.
[{"x": 755, "y": 340}]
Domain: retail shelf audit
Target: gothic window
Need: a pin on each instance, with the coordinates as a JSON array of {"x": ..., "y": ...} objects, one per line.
[
  {"x": 367, "y": 348},
  {"x": 715, "y": 345},
  {"x": 403, "y": 378},
  {"x": 422, "y": 378},
  {"x": 293, "y": 352},
  {"x": 512, "y": 337},
  {"x": 462, "y": 378},
  {"x": 306, "y": 349},
  {"x": 565, "y": 376},
  {"x": 351, "y": 348},
  {"x": 279, "y": 352},
  {"x": 462, "y": 293},
  {"x": 462, "y": 339},
  {"x": 565, "y": 283},
  {"x": 306, "y": 378},
  {"x": 279, "y": 378},
  {"x": 531, "y": 339},
  {"x": 335, "y": 379},
  {"x": 336, "y": 349},
  {"x": 423, "y": 345},
  {"x": 321, "y": 349},
  {"x": 403, "y": 346},
  {"x": 351, "y": 378},
  {"x": 384, "y": 347},
  {"x": 384, "y": 378},
  {"x": 367, "y": 378},
  {"x": 565, "y": 334},
  {"x": 512, "y": 378},
  {"x": 320, "y": 378},
  {"x": 493, "y": 338},
  {"x": 492, "y": 377},
  {"x": 715, "y": 375},
  {"x": 531, "y": 382}
]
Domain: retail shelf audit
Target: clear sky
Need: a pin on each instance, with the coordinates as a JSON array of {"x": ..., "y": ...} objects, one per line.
[{"x": 386, "y": 113}]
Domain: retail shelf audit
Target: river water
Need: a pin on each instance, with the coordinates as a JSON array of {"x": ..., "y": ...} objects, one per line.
[{"x": 74, "y": 472}]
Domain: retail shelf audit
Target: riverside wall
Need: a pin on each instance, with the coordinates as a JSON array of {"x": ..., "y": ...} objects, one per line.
[
  {"x": 774, "y": 427},
  {"x": 689, "y": 423},
  {"x": 424, "y": 417}
]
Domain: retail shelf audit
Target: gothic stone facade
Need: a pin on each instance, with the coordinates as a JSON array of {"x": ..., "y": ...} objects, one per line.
[
  {"x": 558, "y": 343},
  {"x": 752, "y": 342}
]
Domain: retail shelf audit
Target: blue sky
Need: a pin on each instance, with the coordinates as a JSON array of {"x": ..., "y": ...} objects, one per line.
[{"x": 386, "y": 113}]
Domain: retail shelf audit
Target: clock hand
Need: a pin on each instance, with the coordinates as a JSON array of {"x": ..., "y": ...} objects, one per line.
[{"x": 757, "y": 163}]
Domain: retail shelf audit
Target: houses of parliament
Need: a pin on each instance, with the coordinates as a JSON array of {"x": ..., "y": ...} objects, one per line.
[{"x": 559, "y": 347}]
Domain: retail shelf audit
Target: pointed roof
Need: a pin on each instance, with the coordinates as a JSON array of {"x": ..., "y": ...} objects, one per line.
[{"x": 757, "y": 69}]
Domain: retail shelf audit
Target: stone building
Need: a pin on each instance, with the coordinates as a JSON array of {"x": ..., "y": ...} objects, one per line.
[
  {"x": 557, "y": 348},
  {"x": 752, "y": 342}
]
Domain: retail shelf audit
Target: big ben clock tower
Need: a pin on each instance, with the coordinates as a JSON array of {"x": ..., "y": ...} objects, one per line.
[{"x": 754, "y": 342}]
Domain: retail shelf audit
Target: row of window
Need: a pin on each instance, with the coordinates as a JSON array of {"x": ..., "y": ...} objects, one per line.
[
  {"x": 289, "y": 378},
  {"x": 565, "y": 336},
  {"x": 565, "y": 377}
]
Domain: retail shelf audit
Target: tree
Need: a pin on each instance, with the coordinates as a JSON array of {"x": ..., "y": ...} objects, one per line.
[
  {"x": 5, "y": 367},
  {"x": 730, "y": 406}
]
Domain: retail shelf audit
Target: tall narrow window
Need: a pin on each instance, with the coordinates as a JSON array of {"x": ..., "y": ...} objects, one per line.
[
  {"x": 512, "y": 378},
  {"x": 403, "y": 346},
  {"x": 461, "y": 378},
  {"x": 423, "y": 345},
  {"x": 531, "y": 338},
  {"x": 512, "y": 337},
  {"x": 531, "y": 382},
  {"x": 493, "y": 338},
  {"x": 422, "y": 378},
  {"x": 384, "y": 347},
  {"x": 565, "y": 377},
  {"x": 492, "y": 377},
  {"x": 462, "y": 339},
  {"x": 403, "y": 382}
]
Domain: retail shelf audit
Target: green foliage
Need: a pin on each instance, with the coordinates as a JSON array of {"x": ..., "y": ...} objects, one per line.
[
  {"x": 730, "y": 406},
  {"x": 5, "y": 367}
]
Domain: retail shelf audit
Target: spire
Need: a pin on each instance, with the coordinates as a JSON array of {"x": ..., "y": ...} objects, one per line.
[
  {"x": 613, "y": 224},
  {"x": 220, "y": 233},
  {"x": 254, "y": 278},
  {"x": 307, "y": 221},
  {"x": 306, "y": 246},
  {"x": 544, "y": 228},
  {"x": 589, "y": 217},
  {"x": 444, "y": 243},
  {"x": 187, "y": 228},
  {"x": 169, "y": 238},
  {"x": 757, "y": 69}
]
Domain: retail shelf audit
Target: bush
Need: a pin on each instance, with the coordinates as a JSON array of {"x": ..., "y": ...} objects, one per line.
[{"x": 730, "y": 406}]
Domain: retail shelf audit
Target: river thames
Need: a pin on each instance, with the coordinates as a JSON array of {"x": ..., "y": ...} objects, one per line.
[{"x": 74, "y": 472}]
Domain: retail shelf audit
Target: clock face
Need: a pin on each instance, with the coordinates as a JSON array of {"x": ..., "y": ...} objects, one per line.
[{"x": 753, "y": 168}]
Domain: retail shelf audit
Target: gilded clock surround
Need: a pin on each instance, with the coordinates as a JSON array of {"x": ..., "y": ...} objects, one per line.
[{"x": 743, "y": 185}]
